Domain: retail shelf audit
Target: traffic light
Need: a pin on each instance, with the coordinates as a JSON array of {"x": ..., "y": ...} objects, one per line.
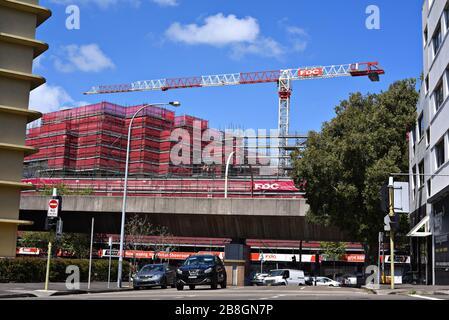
[
  {"x": 391, "y": 222},
  {"x": 384, "y": 198}
]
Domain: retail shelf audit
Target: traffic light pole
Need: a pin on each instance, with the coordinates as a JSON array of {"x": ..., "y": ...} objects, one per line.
[{"x": 391, "y": 213}]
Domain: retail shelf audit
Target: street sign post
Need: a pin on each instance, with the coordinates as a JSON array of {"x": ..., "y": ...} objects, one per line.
[{"x": 52, "y": 215}]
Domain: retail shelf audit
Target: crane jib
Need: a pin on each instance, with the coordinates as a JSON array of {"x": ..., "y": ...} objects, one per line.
[{"x": 370, "y": 69}]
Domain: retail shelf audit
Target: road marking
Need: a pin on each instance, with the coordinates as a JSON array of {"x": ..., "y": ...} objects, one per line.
[{"x": 424, "y": 297}]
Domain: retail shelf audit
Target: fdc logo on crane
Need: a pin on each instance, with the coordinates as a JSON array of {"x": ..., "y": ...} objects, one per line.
[{"x": 314, "y": 72}]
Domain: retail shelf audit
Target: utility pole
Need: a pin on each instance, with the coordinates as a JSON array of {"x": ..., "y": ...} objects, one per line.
[{"x": 391, "y": 214}]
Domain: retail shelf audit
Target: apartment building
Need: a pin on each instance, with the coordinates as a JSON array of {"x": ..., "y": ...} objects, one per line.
[{"x": 429, "y": 152}]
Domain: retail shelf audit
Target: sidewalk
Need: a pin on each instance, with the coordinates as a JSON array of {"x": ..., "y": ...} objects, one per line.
[
  {"x": 410, "y": 289},
  {"x": 23, "y": 290}
]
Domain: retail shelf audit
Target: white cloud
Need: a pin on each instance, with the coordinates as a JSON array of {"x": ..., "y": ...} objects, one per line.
[
  {"x": 217, "y": 30},
  {"x": 48, "y": 98},
  {"x": 296, "y": 31},
  {"x": 86, "y": 58},
  {"x": 37, "y": 62},
  {"x": 241, "y": 35},
  {"x": 265, "y": 47},
  {"x": 166, "y": 3},
  {"x": 297, "y": 37}
]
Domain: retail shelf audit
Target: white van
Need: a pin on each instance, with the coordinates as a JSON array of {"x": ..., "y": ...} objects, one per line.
[{"x": 285, "y": 277}]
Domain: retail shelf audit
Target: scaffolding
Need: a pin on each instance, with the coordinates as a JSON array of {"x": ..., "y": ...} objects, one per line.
[{"x": 90, "y": 141}]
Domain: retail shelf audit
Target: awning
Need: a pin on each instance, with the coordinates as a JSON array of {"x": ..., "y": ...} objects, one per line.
[
  {"x": 439, "y": 195},
  {"x": 415, "y": 230}
]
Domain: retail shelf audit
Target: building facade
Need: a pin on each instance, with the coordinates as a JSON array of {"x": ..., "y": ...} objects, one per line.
[
  {"x": 91, "y": 141},
  {"x": 18, "y": 47},
  {"x": 429, "y": 151}
]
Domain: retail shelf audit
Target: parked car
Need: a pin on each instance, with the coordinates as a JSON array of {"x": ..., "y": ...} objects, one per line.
[
  {"x": 257, "y": 279},
  {"x": 285, "y": 277},
  {"x": 153, "y": 275},
  {"x": 325, "y": 281},
  {"x": 200, "y": 270}
]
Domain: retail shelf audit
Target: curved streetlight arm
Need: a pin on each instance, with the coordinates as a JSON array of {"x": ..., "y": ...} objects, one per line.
[
  {"x": 226, "y": 173},
  {"x": 125, "y": 188}
]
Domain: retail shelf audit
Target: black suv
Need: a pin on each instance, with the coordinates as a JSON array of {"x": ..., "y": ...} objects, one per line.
[{"x": 198, "y": 270}]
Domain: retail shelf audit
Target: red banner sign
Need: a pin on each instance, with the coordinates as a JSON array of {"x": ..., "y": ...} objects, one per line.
[
  {"x": 28, "y": 251},
  {"x": 141, "y": 254}
]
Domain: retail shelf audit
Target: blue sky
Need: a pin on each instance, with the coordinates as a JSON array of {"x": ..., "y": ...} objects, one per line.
[{"x": 121, "y": 41}]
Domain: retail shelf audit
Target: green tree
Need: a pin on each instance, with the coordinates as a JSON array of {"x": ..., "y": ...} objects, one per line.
[
  {"x": 333, "y": 251},
  {"x": 346, "y": 163}
]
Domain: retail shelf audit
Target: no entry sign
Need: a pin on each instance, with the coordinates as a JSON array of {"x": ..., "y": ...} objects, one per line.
[{"x": 53, "y": 205}]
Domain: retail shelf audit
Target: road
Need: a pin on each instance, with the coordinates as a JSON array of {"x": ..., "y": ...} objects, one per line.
[{"x": 246, "y": 293}]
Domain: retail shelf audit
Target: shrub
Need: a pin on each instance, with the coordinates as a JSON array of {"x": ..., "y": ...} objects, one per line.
[{"x": 33, "y": 269}]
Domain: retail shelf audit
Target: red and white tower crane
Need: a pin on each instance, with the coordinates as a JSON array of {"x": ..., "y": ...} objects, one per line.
[{"x": 282, "y": 77}]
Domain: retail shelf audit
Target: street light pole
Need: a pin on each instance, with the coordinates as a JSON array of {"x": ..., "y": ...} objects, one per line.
[
  {"x": 226, "y": 173},
  {"x": 125, "y": 188}
]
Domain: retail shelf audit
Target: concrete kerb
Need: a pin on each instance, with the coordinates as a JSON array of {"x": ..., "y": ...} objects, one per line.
[
  {"x": 69, "y": 292},
  {"x": 61, "y": 293},
  {"x": 406, "y": 291}
]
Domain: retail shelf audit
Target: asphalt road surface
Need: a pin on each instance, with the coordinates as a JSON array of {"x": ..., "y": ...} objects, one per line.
[{"x": 246, "y": 293}]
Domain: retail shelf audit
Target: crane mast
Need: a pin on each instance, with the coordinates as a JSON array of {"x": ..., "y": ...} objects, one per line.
[{"x": 283, "y": 78}]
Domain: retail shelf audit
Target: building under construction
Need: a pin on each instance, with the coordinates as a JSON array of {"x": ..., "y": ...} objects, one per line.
[{"x": 90, "y": 141}]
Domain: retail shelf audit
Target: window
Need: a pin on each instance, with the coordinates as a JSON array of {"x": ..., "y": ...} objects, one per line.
[
  {"x": 426, "y": 85},
  {"x": 428, "y": 136},
  {"x": 439, "y": 96},
  {"x": 436, "y": 40},
  {"x": 439, "y": 153},
  {"x": 429, "y": 188},
  {"x": 420, "y": 126},
  {"x": 413, "y": 140},
  {"x": 421, "y": 173},
  {"x": 425, "y": 36}
]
